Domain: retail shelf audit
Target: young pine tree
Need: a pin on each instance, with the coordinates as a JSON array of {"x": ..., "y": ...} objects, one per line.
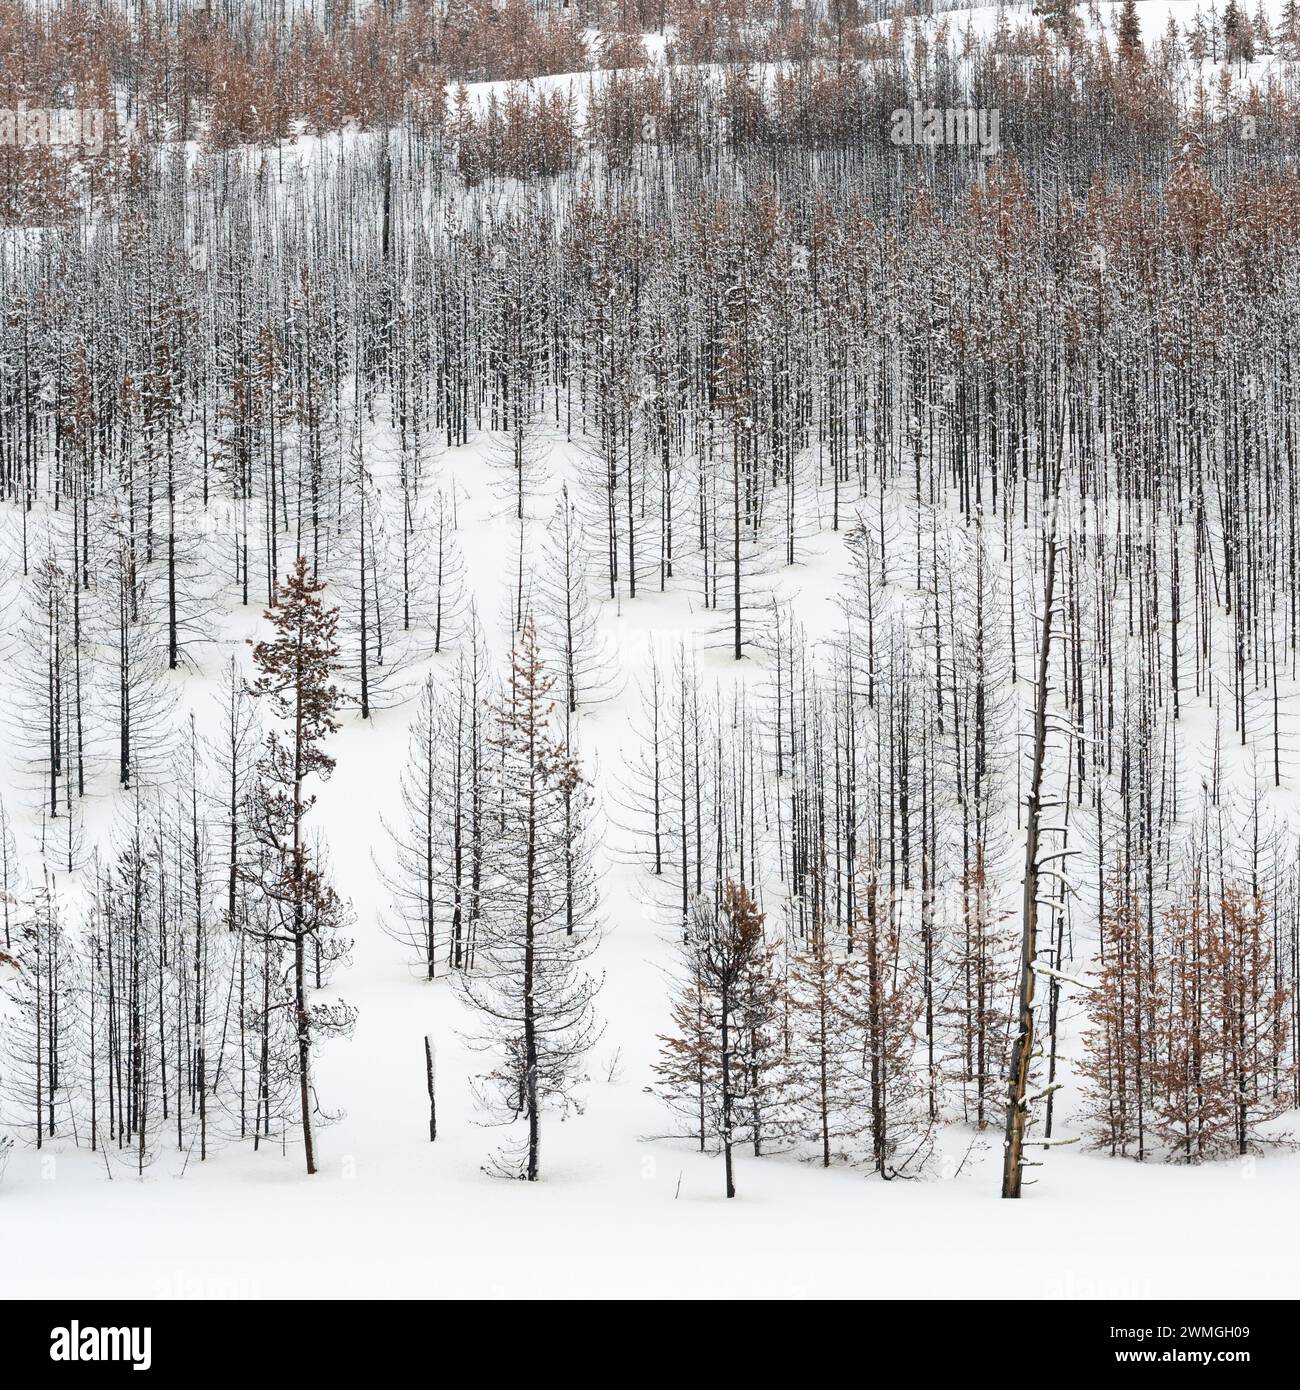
[
  {"x": 296, "y": 670},
  {"x": 707, "y": 1068}
]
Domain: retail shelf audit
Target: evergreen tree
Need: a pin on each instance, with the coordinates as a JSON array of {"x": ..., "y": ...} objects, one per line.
[{"x": 296, "y": 669}]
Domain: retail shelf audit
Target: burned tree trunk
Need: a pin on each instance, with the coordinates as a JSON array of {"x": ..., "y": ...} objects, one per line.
[{"x": 1022, "y": 1048}]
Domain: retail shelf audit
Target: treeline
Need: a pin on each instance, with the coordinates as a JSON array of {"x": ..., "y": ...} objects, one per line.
[
  {"x": 1071, "y": 103},
  {"x": 780, "y": 1045},
  {"x": 252, "y": 68}
]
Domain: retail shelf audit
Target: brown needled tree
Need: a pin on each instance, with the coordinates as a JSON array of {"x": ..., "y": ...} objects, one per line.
[
  {"x": 707, "y": 1068},
  {"x": 296, "y": 668}
]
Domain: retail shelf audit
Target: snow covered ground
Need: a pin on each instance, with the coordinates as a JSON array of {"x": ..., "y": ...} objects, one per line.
[{"x": 391, "y": 1216}]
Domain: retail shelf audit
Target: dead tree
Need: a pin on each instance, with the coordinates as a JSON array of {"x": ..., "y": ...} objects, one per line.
[{"x": 1022, "y": 1048}]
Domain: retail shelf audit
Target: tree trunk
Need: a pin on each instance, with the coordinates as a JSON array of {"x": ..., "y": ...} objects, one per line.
[{"x": 1023, "y": 1047}]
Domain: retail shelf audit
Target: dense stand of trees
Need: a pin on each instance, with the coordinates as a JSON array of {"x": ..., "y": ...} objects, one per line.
[
  {"x": 178, "y": 1013},
  {"x": 698, "y": 347}
]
